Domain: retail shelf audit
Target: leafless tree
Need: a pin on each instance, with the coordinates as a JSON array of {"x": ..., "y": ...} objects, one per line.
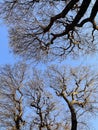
[
  {"x": 57, "y": 100},
  {"x": 11, "y": 96},
  {"x": 51, "y": 28},
  {"x": 25, "y": 103},
  {"x": 44, "y": 106},
  {"x": 78, "y": 87}
]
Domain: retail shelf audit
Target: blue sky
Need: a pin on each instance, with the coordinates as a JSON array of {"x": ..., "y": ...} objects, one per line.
[{"x": 5, "y": 56}]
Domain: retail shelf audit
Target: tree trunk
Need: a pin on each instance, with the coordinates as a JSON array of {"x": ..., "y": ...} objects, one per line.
[{"x": 73, "y": 113}]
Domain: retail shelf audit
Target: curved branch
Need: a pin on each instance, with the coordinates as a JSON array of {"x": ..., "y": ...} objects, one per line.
[
  {"x": 94, "y": 11},
  {"x": 69, "y": 27},
  {"x": 60, "y": 15}
]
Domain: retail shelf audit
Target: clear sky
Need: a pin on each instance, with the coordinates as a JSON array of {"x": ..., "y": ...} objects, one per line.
[{"x": 5, "y": 56}]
